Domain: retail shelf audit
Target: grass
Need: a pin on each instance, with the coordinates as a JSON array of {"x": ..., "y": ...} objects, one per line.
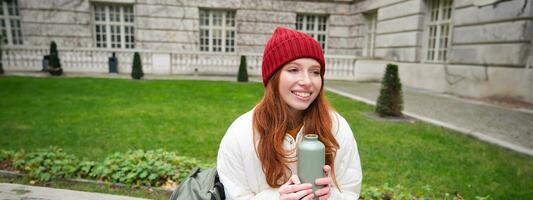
[{"x": 93, "y": 117}]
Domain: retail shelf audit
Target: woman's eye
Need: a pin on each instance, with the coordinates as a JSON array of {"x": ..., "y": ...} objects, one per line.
[
  {"x": 316, "y": 72},
  {"x": 293, "y": 70}
]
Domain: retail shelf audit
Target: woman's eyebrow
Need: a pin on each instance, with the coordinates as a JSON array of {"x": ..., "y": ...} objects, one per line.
[{"x": 294, "y": 63}]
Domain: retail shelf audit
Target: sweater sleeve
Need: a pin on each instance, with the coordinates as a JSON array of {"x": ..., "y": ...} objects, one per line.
[
  {"x": 231, "y": 164},
  {"x": 230, "y": 167},
  {"x": 347, "y": 164}
]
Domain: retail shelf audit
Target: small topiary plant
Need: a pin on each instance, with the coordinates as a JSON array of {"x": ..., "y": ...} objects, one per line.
[
  {"x": 390, "y": 102},
  {"x": 137, "y": 68},
  {"x": 1, "y": 52},
  {"x": 1, "y": 65},
  {"x": 243, "y": 73},
  {"x": 54, "y": 63}
]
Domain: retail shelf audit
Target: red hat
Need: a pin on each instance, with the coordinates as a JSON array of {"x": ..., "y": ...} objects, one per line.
[{"x": 286, "y": 45}]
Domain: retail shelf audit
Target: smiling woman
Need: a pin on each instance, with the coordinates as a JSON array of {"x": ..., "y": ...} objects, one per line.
[
  {"x": 257, "y": 158},
  {"x": 300, "y": 83}
]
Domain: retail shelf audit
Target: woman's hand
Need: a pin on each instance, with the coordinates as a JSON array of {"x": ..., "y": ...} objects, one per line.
[
  {"x": 294, "y": 190},
  {"x": 323, "y": 193}
]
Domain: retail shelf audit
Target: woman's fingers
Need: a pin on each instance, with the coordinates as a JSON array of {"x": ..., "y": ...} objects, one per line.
[
  {"x": 293, "y": 180},
  {"x": 324, "y": 197},
  {"x": 323, "y": 192},
  {"x": 308, "y": 197},
  {"x": 327, "y": 170},
  {"x": 287, "y": 189},
  {"x": 323, "y": 181},
  {"x": 308, "y": 194},
  {"x": 292, "y": 189}
]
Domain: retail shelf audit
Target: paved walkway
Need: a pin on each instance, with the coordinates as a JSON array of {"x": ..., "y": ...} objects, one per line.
[
  {"x": 508, "y": 127},
  {"x": 15, "y": 192}
]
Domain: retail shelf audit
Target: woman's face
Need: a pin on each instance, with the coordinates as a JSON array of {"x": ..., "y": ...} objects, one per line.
[{"x": 300, "y": 82}]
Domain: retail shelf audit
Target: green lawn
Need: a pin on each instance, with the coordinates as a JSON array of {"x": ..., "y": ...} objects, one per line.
[{"x": 92, "y": 118}]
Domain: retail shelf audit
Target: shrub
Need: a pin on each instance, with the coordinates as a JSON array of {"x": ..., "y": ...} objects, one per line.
[
  {"x": 54, "y": 63},
  {"x": 45, "y": 165},
  {"x": 148, "y": 168},
  {"x": 139, "y": 167},
  {"x": 1, "y": 52},
  {"x": 390, "y": 101},
  {"x": 137, "y": 68},
  {"x": 6, "y": 155},
  {"x": 243, "y": 74}
]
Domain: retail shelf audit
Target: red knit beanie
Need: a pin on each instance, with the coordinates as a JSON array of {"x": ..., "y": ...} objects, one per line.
[{"x": 286, "y": 45}]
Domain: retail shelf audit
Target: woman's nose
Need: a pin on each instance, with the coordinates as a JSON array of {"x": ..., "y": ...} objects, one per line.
[{"x": 304, "y": 79}]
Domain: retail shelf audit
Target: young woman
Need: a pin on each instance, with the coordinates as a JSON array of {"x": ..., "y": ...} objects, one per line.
[{"x": 257, "y": 158}]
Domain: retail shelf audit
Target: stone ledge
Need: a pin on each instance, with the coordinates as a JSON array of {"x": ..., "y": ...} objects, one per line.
[{"x": 87, "y": 181}]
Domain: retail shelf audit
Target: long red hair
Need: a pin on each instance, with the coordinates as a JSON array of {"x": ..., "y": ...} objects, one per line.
[{"x": 270, "y": 121}]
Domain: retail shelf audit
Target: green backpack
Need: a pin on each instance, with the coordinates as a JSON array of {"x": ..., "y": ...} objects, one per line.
[{"x": 201, "y": 184}]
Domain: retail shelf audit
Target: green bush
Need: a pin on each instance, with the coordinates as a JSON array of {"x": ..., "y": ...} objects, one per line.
[
  {"x": 148, "y": 168},
  {"x": 1, "y": 52},
  {"x": 243, "y": 73},
  {"x": 45, "y": 165},
  {"x": 137, "y": 68},
  {"x": 157, "y": 168},
  {"x": 6, "y": 155},
  {"x": 398, "y": 192},
  {"x": 390, "y": 101},
  {"x": 139, "y": 167},
  {"x": 54, "y": 62}
]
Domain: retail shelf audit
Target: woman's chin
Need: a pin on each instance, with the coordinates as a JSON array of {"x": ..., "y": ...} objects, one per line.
[{"x": 299, "y": 106}]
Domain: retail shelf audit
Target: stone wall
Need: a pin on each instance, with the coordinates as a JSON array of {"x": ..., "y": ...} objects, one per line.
[
  {"x": 399, "y": 28},
  {"x": 168, "y": 25},
  {"x": 498, "y": 34},
  {"x": 491, "y": 50},
  {"x": 65, "y": 21}
]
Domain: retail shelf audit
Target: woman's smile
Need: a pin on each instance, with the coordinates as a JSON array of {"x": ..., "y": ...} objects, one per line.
[{"x": 304, "y": 96}]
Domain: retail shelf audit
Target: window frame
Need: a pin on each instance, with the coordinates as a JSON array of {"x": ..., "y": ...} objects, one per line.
[
  {"x": 223, "y": 28},
  {"x": 434, "y": 44},
  {"x": 315, "y": 32},
  {"x": 8, "y": 19},
  {"x": 371, "y": 22},
  {"x": 108, "y": 24}
]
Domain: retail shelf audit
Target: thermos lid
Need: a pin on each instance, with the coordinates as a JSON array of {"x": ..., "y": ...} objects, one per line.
[{"x": 311, "y": 136}]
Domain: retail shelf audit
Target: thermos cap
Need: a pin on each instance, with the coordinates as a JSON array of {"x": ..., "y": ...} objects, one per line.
[{"x": 311, "y": 136}]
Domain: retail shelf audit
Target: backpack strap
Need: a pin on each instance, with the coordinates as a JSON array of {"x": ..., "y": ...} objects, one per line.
[{"x": 217, "y": 192}]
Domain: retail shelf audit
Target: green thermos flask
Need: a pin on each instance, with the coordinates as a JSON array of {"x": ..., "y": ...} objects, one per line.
[{"x": 311, "y": 160}]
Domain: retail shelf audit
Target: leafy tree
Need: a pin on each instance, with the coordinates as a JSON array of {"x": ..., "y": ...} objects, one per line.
[{"x": 390, "y": 102}]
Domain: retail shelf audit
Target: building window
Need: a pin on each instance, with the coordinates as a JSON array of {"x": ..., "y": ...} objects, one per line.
[
  {"x": 114, "y": 26},
  {"x": 315, "y": 26},
  {"x": 217, "y": 31},
  {"x": 438, "y": 30},
  {"x": 10, "y": 23},
  {"x": 370, "y": 36}
]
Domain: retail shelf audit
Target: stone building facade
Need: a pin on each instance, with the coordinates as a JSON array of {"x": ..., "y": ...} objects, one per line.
[{"x": 480, "y": 48}]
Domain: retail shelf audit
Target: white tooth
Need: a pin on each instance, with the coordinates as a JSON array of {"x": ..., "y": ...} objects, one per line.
[{"x": 303, "y": 94}]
